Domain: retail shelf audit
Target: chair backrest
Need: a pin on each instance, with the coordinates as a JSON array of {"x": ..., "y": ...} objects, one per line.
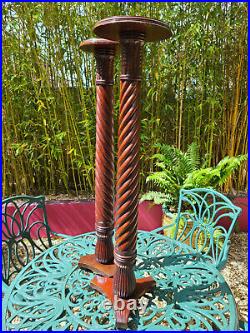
[
  {"x": 25, "y": 233},
  {"x": 202, "y": 215}
]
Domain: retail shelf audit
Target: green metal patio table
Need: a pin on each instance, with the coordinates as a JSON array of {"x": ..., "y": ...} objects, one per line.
[{"x": 53, "y": 293}]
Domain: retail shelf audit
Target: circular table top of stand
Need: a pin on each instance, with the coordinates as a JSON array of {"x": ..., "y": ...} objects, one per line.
[
  {"x": 111, "y": 27},
  {"x": 92, "y": 44},
  {"x": 52, "y": 293}
]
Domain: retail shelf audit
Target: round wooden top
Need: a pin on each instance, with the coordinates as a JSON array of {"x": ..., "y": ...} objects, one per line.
[
  {"x": 92, "y": 44},
  {"x": 111, "y": 27}
]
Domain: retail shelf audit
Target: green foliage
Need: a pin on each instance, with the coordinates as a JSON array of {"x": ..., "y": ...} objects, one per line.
[
  {"x": 182, "y": 170},
  {"x": 175, "y": 166},
  {"x": 159, "y": 198},
  {"x": 194, "y": 88},
  {"x": 216, "y": 176}
]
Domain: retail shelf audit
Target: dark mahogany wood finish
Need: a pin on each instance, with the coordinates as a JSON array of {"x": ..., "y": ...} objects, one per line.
[
  {"x": 102, "y": 261},
  {"x": 131, "y": 32}
]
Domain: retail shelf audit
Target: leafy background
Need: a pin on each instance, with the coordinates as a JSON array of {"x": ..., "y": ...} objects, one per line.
[{"x": 194, "y": 90}]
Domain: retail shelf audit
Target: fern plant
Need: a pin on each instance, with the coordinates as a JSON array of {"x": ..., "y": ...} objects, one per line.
[
  {"x": 177, "y": 170},
  {"x": 173, "y": 168},
  {"x": 214, "y": 176}
]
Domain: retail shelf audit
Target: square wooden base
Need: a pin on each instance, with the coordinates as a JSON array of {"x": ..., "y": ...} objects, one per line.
[{"x": 89, "y": 262}]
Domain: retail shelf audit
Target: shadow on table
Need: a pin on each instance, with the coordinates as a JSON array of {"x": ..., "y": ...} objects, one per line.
[{"x": 184, "y": 282}]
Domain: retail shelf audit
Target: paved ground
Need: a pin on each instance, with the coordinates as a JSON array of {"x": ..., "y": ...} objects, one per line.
[{"x": 236, "y": 272}]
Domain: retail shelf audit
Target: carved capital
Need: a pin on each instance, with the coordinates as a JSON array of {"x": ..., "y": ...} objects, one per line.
[
  {"x": 131, "y": 55},
  {"x": 104, "y": 66}
]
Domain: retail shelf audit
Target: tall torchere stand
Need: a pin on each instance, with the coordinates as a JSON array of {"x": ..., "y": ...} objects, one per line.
[
  {"x": 102, "y": 261},
  {"x": 131, "y": 32}
]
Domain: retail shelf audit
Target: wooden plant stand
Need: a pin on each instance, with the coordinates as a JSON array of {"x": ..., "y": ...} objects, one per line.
[
  {"x": 131, "y": 32},
  {"x": 102, "y": 262}
]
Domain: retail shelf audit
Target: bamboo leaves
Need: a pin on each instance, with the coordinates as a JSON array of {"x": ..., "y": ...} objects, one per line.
[{"x": 194, "y": 89}]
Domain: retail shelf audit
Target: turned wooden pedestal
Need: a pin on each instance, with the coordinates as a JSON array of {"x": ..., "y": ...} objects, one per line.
[
  {"x": 131, "y": 32},
  {"x": 102, "y": 261}
]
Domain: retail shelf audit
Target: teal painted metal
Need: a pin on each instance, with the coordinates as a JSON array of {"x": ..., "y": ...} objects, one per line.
[
  {"x": 198, "y": 223},
  {"x": 52, "y": 293},
  {"x": 22, "y": 238},
  {"x": 24, "y": 221},
  {"x": 243, "y": 325}
]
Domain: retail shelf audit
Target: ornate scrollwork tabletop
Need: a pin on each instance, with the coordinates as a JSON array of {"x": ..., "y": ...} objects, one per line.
[{"x": 52, "y": 293}]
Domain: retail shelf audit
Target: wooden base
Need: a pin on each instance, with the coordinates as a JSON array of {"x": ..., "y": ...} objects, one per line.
[
  {"x": 105, "y": 286},
  {"x": 89, "y": 262}
]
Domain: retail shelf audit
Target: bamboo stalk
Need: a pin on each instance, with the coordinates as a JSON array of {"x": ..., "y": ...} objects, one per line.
[{"x": 205, "y": 58}]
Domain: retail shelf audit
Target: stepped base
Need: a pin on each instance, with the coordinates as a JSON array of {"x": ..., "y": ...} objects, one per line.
[{"x": 89, "y": 262}]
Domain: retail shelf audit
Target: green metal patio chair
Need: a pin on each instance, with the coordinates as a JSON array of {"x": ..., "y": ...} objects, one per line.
[
  {"x": 25, "y": 233},
  {"x": 198, "y": 223}
]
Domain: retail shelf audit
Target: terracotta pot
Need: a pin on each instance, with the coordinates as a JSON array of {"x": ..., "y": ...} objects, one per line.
[
  {"x": 242, "y": 221},
  {"x": 242, "y": 202},
  {"x": 149, "y": 216}
]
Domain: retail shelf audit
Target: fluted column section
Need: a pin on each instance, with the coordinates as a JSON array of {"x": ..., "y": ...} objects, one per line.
[
  {"x": 127, "y": 189},
  {"x": 104, "y": 172}
]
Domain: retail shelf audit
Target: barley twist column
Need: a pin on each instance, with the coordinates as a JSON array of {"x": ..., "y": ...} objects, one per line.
[
  {"x": 132, "y": 32},
  {"x": 104, "y": 51},
  {"x": 128, "y": 164},
  {"x": 104, "y": 172}
]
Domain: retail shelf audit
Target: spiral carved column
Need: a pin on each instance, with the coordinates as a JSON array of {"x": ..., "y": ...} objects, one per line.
[
  {"x": 127, "y": 189},
  {"x": 102, "y": 262},
  {"x": 131, "y": 32},
  {"x": 104, "y": 171}
]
